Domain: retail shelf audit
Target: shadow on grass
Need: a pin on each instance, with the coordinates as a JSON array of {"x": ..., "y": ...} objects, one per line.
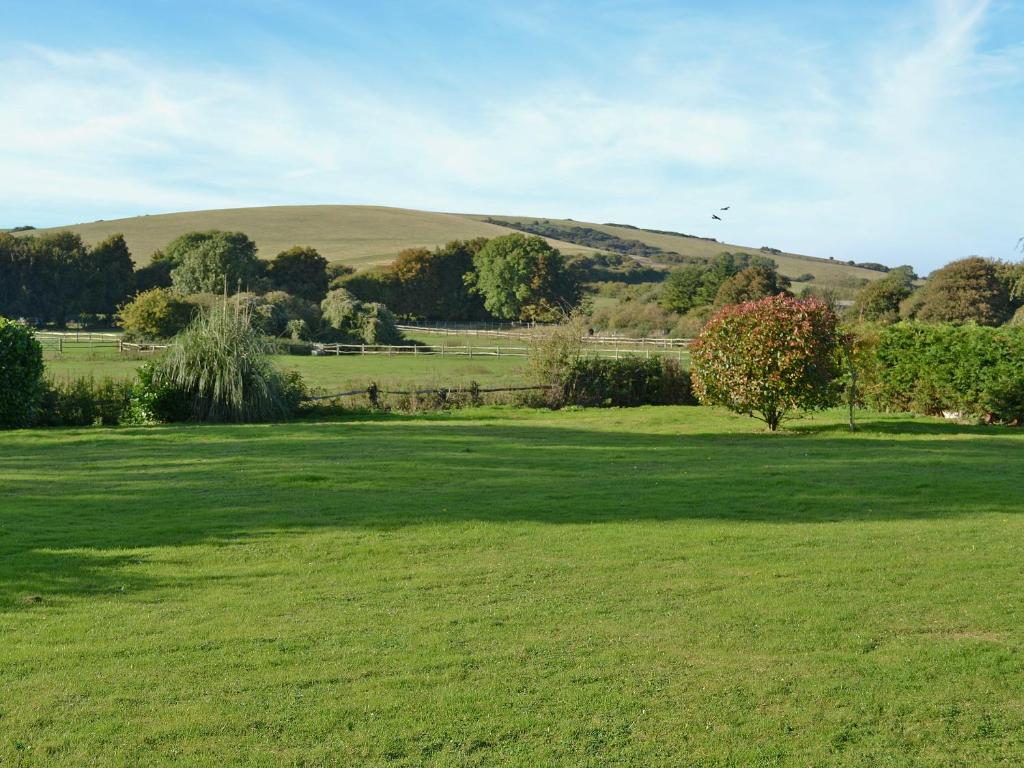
[{"x": 72, "y": 502}]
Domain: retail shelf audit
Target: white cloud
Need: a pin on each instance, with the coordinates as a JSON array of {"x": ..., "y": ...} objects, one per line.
[{"x": 896, "y": 153}]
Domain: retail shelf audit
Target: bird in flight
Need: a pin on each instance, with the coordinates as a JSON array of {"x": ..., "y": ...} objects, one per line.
[
  {"x": 716, "y": 217},
  {"x": 726, "y": 208}
]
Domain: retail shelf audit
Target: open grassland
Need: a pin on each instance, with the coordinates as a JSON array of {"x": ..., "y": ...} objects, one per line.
[
  {"x": 360, "y": 235},
  {"x": 791, "y": 264},
  {"x": 329, "y": 374},
  {"x": 659, "y": 586}
]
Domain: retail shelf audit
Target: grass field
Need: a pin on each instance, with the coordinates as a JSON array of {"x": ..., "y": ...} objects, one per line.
[
  {"x": 658, "y": 586},
  {"x": 331, "y": 374},
  {"x": 363, "y": 235}
]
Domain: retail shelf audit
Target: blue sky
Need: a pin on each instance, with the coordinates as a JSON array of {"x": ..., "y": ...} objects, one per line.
[{"x": 889, "y": 132}]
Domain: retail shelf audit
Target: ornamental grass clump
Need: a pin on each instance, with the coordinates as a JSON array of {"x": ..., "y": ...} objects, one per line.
[
  {"x": 219, "y": 371},
  {"x": 768, "y": 358}
]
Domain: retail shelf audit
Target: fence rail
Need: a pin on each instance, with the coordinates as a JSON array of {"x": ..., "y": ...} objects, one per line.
[
  {"x": 526, "y": 336},
  {"x": 444, "y": 350}
]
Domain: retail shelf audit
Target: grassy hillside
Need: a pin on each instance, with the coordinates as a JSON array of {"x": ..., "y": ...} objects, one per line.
[
  {"x": 358, "y": 234},
  {"x": 791, "y": 264},
  {"x": 646, "y": 587},
  {"x": 364, "y": 235}
]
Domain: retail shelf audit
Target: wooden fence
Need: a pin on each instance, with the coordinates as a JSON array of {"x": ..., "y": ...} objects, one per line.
[
  {"x": 658, "y": 342},
  {"x": 444, "y": 350}
]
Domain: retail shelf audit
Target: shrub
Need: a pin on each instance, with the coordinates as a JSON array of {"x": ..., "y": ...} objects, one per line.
[
  {"x": 352, "y": 319},
  {"x": 219, "y": 365},
  {"x": 973, "y": 370},
  {"x": 85, "y": 402},
  {"x": 552, "y": 351},
  {"x": 767, "y": 358},
  {"x": 626, "y": 382},
  {"x": 155, "y": 314},
  {"x": 21, "y": 374}
]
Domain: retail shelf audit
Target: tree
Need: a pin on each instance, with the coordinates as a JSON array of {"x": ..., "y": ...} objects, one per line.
[
  {"x": 523, "y": 278},
  {"x": 367, "y": 322},
  {"x": 212, "y": 262},
  {"x": 767, "y": 358},
  {"x": 301, "y": 272},
  {"x": 107, "y": 277},
  {"x": 432, "y": 285},
  {"x": 682, "y": 287},
  {"x": 751, "y": 284},
  {"x": 967, "y": 290},
  {"x": 156, "y": 274},
  {"x": 21, "y": 374},
  {"x": 52, "y": 276},
  {"x": 880, "y": 300},
  {"x": 155, "y": 314}
]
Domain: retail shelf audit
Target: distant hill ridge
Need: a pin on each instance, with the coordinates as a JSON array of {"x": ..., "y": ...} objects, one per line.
[{"x": 367, "y": 235}]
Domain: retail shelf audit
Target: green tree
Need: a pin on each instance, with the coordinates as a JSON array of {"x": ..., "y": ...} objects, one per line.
[
  {"x": 682, "y": 287},
  {"x": 359, "y": 321},
  {"x": 300, "y": 271},
  {"x": 770, "y": 357},
  {"x": 967, "y": 290},
  {"x": 156, "y": 274},
  {"x": 880, "y": 300},
  {"x": 212, "y": 262},
  {"x": 523, "y": 278},
  {"x": 432, "y": 285},
  {"x": 107, "y": 277},
  {"x": 751, "y": 284},
  {"x": 21, "y": 374},
  {"x": 157, "y": 313}
]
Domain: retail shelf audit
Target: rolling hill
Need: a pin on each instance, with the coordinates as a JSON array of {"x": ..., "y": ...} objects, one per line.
[{"x": 367, "y": 235}]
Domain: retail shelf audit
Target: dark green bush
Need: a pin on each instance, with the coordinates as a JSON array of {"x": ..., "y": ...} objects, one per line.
[
  {"x": 21, "y": 374},
  {"x": 629, "y": 381},
  {"x": 974, "y": 370},
  {"x": 84, "y": 402}
]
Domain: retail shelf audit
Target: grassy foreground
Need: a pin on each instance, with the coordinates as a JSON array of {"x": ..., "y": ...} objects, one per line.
[{"x": 659, "y": 586}]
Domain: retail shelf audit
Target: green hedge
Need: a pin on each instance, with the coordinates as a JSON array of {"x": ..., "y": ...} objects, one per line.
[
  {"x": 629, "y": 381},
  {"x": 21, "y": 374},
  {"x": 970, "y": 369}
]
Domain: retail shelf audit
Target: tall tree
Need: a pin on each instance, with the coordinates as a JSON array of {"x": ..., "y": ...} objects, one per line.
[
  {"x": 107, "y": 277},
  {"x": 212, "y": 262},
  {"x": 879, "y": 300},
  {"x": 967, "y": 290},
  {"x": 751, "y": 284},
  {"x": 523, "y": 278},
  {"x": 300, "y": 271}
]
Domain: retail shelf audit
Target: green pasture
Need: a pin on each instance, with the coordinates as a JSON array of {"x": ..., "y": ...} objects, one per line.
[{"x": 647, "y": 587}]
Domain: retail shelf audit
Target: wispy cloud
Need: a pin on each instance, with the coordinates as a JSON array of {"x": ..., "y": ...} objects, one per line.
[{"x": 900, "y": 147}]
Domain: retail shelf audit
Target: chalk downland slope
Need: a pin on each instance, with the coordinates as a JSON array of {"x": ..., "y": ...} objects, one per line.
[{"x": 364, "y": 235}]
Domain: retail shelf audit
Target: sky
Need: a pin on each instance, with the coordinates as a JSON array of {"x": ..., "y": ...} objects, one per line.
[{"x": 875, "y": 131}]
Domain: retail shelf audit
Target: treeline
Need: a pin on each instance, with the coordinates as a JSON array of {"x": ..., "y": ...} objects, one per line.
[
  {"x": 588, "y": 236},
  {"x": 54, "y": 278},
  {"x": 971, "y": 290}
]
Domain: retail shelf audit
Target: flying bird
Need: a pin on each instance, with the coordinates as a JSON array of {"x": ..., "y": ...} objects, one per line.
[
  {"x": 726, "y": 208},
  {"x": 716, "y": 217}
]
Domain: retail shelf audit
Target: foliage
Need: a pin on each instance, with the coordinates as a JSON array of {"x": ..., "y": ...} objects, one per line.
[
  {"x": 681, "y": 288},
  {"x": 523, "y": 278},
  {"x": 214, "y": 262},
  {"x": 158, "y": 313},
  {"x": 54, "y": 277},
  {"x": 554, "y": 350},
  {"x": 85, "y": 402},
  {"x": 355, "y": 320},
  {"x": 880, "y": 300},
  {"x": 635, "y": 318},
  {"x": 156, "y": 274},
  {"x": 625, "y": 382},
  {"x": 107, "y": 277},
  {"x": 697, "y": 285},
  {"x": 21, "y": 374},
  {"x": 588, "y": 236},
  {"x": 612, "y": 267},
  {"x": 767, "y": 358},
  {"x": 219, "y": 364},
  {"x": 751, "y": 284},
  {"x": 967, "y": 290},
  {"x": 301, "y": 272},
  {"x": 974, "y": 370}
]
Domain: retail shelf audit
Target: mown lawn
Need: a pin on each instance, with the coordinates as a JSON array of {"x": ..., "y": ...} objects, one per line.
[{"x": 659, "y": 586}]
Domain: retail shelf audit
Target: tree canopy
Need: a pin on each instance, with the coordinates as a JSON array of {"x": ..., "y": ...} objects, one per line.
[
  {"x": 213, "y": 262},
  {"x": 300, "y": 271}
]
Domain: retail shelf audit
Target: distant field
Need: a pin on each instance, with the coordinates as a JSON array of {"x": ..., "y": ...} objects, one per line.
[
  {"x": 492, "y": 587},
  {"x": 367, "y": 235},
  {"x": 356, "y": 234}
]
